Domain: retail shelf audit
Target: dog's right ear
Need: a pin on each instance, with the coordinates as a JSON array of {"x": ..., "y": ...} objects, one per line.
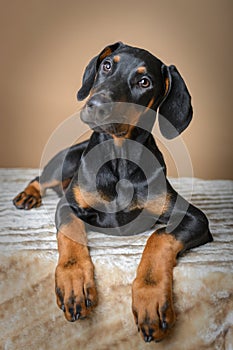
[{"x": 92, "y": 68}]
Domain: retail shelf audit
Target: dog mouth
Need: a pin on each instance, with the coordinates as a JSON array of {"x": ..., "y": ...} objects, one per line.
[
  {"x": 121, "y": 134},
  {"x": 113, "y": 129},
  {"x": 114, "y": 124}
]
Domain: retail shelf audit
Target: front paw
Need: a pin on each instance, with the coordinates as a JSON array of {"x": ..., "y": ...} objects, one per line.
[
  {"x": 75, "y": 290},
  {"x": 152, "y": 309},
  {"x": 28, "y": 199}
]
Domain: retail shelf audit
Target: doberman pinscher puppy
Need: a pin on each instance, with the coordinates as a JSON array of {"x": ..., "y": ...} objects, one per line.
[{"x": 122, "y": 188}]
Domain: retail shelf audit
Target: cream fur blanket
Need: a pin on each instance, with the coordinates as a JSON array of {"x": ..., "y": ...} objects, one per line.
[{"x": 31, "y": 320}]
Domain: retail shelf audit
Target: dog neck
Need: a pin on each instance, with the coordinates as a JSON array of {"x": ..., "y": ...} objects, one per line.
[{"x": 120, "y": 148}]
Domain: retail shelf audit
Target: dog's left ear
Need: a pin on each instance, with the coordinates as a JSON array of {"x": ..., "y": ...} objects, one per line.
[
  {"x": 175, "y": 111},
  {"x": 92, "y": 68}
]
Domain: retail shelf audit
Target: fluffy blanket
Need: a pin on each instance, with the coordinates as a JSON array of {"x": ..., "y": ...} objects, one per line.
[{"x": 30, "y": 318}]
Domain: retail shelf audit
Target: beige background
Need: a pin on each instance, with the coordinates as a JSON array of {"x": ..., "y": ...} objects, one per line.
[{"x": 46, "y": 44}]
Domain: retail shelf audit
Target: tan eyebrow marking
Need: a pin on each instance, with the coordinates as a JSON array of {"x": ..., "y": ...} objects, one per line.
[
  {"x": 106, "y": 53},
  {"x": 116, "y": 59},
  {"x": 141, "y": 69}
]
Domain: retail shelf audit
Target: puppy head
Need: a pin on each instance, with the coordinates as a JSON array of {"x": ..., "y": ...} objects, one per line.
[{"x": 125, "y": 74}]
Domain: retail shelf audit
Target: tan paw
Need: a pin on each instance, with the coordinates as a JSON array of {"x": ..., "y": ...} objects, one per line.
[
  {"x": 153, "y": 310},
  {"x": 75, "y": 290},
  {"x": 29, "y": 198}
]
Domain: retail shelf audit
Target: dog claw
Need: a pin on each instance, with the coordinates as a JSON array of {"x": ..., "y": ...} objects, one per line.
[
  {"x": 88, "y": 303},
  {"x": 73, "y": 318},
  {"x": 164, "y": 325},
  {"x": 148, "y": 338},
  {"x": 77, "y": 317}
]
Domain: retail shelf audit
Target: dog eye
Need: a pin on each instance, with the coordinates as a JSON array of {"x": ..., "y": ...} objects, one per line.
[
  {"x": 107, "y": 66},
  {"x": 144, "y": 83}
]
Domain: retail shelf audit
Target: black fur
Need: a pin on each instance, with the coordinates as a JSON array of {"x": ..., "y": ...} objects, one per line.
[{"x": 112, "y": 79}]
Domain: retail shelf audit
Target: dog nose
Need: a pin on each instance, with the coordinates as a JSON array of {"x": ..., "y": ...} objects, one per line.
[{"x": 100, "y": 105}]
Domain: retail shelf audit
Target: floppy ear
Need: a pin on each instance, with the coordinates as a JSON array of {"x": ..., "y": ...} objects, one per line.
[
  {"x": 92, "y": 68},
  {"x": 175, "y": 111}
]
